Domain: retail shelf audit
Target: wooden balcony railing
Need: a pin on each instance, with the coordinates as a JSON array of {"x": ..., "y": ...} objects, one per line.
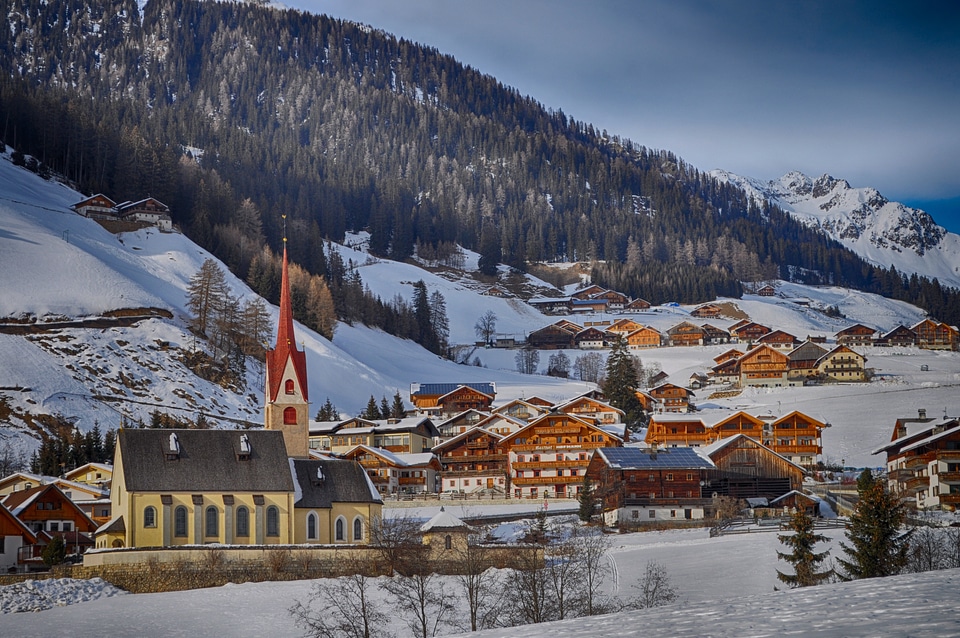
[
  {"x": 541, "y": 465},
  {"x": 949, "y": 477},
  {"x": 545, "y": 480},
  {"x": 917, "y": 483},
  {"x": 950, "y": 499}
]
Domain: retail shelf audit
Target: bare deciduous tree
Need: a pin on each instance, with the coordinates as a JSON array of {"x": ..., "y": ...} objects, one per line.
[
  {"x": 482, "y": 587},
  {"x": 654, "y": 588},
  {"x": 422, "y": 599},
  {"x": 342, "y": 606}
]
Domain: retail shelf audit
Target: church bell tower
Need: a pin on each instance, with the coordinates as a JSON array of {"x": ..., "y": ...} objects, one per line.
[{"x": 286, "y": 402}]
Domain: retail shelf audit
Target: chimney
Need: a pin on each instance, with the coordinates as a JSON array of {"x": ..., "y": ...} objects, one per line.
[{"x": 923, "y": 413}]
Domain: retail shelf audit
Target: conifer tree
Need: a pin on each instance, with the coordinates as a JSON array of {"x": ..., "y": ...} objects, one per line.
[
  {"x": 372, "y": 411},
  {"x": 801, "y": 555},
  {"x": 620, "y": 384},
  {"x": 384, "y": 408},
  {"x": 397, "y": 410},
  {"x": 878, "y": 546},
  {"x": 587, "y": 499}
]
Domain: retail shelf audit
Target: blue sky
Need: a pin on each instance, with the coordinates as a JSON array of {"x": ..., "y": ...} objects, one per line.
[{"x": 865, "y": 91}]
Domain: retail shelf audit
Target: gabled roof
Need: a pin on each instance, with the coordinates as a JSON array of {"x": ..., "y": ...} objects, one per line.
[
  {"x": 606, "y": 407},
  {"x": 397, "y": 459},
  {"x": 539, "y": 422},
  {"x": 126, "y": 205},
  {"x": 806, "y": 351},
  {"x": 809, "y": 497},
  {"x": 321, "y": 483},
  {"x": 10, "y": 522},
  {"x": 91, "y": 198},
  {"x": 18, "y": 502},
  {"x": 208, "y": 461},
  {"x": 477, "y": 429},
  {"x": 380, "y": 426},
  {"x": 635, "y": 458},
  {"x": 442, "y": 389},
  {"x": 857, "y": 328},
  {"x": 716, "y": 446},
  {"x": 949, "y": 428},
  {"x": 840, "y": 349}
]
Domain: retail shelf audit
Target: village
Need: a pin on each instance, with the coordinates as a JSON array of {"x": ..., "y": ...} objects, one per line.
[{"x": 302, "y": 482}]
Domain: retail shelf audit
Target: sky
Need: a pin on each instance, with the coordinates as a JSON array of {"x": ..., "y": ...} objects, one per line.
[{"x": 865, "y": 91}]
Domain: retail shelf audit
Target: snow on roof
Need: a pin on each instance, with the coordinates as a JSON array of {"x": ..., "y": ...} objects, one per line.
[
  {"x": 443, "y": 520},
  {"x": 937, "y": 434}
]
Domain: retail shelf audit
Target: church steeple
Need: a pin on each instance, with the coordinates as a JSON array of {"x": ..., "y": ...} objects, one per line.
[{"x": 286, "y": 388}]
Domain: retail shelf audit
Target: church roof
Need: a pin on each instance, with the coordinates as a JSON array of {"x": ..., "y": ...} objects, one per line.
[
  {"x": 321, "y": 483},
  {"x": 286, "y": 347},
  {"x": 443, "y": 520},
  {"x": 205, "y": 461}
]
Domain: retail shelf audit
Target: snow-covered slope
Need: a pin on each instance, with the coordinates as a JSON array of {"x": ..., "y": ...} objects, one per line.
[{"x": 883, "y": 232}]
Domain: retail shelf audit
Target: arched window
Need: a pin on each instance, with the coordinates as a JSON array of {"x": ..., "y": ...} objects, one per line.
[
  {"x": 211, "y": 522},
  {"x": 150, "y": 516},
  {"x": 312, "y": 526},
  {"x": 288, "y": 386},
  {"x": 290, "y": 416},
  {"x": 340, "y": 532},
  {"x": 243, "y": 521},
  {"x": 180, "y": 521},
  {"x": 273, "y": 521},
  {"x": 358, "y": 529}
]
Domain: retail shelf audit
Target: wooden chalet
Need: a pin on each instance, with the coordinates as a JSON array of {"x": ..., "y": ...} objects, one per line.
[
  {"x": 783, "y": 341},
  {"x": 410, "y": 435},
  {"x": 698, "y": 380},
  {"x": 551, "y": 306},
  {"x": 797, "y": 501},
  {"x": 727, "y": 373},
  {"x": 856, "y": 335},
  {"x": 549, "y": 457},
  {"x": 727, "y": 355},
  {"x": 496, "y": 291},
  {"x": 149, "y": 211},
  {"x": 674, "y": 430},
  {"x": 96, "y": 474},
  {"x": 593, "y": 409},
  {"x": 643, "y": 338},
  {"x": 590, "y": 339},
  {"x": 614, "y": 300},
  {"x": 48, "y": 512},
  {"x": 589, "y": 305},
  {"x": 802, "y": 361},
  {"x": 738, "y": 423},
  {"x": 899, "y": 336},
  {"x": 460, "y": 423},
  {"x": 737, "y": 325},
  {"x": 539, "y": 401},
  {"x": 766, "y": 291},
  {"x": 842, "y": 364},
  {"x": 934, "y": 335},
  {"x": 624, "y": 326},
  {"x": 447, "y": 399},
  {"x": 639, "y": 486},
  {"x": 923, "y": 462},
  {"x": 672, "y": 398},
  {"x": 713, "y": 335},
  {"x": 522, "y": 410},
  {"x": 749, "y": 332},
  {"x": 796, "y": 437},
  {"x": 552, "y": 337},
  {"x": 588, "y": 292},
  {"x": 685, "y": 334},
  {"x": 398, "y": 473},
  {"x": 502, "y": 424},
  {"x": 764, "y": 366},
  {"x": 474, "y": 461},
  {"x": 97, "y": 206},
  {"x": 706, "y": 311},
  {"x": 745, "y": 468},
  {"x": 637, "y": 305},
  {"x": 14, "y": 535}
]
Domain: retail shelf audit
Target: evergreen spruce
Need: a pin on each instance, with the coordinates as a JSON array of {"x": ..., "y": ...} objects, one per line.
[
  {"x": 372, "y": 411},
  {"x": 55, "y": 551},
  {"x": 878, "y": 545},
  {"x": 620, "y": 384},
  {"x": 587, "y": 498},
  {"x": 801, "y": 555},
  {"x": 397, "y": 410}
]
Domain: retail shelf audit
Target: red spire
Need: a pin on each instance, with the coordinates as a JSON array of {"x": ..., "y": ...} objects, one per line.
[{"x": 286, "y": 347}]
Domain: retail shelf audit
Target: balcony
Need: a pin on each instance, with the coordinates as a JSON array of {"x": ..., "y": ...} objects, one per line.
[
  {"x": 537, "y": 447},
  {"x": 950, "y": 499},
  {"x": 949, "y": 477},
  {"x": 545, "y": 480},
  {"x": 553, "y": 431},
  {"x": 543, "y": 465},
  {"x": 797, "y": 449},
  {"x": 901, "y": 474},
  {"x": 917, "y": 483},
  {"x": 948, "y": 455}
]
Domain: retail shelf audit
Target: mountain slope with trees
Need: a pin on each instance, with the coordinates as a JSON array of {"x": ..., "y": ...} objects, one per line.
[{"x": 235, "y": 114}]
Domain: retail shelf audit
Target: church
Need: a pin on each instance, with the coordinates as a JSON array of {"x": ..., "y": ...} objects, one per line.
[{"x": 241, "y": 487}]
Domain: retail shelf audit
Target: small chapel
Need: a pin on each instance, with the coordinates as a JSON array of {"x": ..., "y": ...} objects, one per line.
[{"x": 241, "y": 487}]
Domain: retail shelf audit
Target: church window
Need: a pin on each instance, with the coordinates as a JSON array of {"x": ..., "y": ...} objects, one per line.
[
  {"x": 212, "y": 527},
  {"x": 340, "y": 533},
  {"x": 150, "y": 516},
  {"x": 358, "y": 529},
  {"x": 273, "y": 521},
  {"x": 288, "y": 386},
  {"x": 243, "y": 521},
  {"x": 180, "y": 521},
  {"x": 311, "y": 526},
  {"x": 447, "y": 542},
  {"x": 290, "y": 416}
]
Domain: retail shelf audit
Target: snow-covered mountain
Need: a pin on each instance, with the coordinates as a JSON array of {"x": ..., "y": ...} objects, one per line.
[{"x": 884, "y": 233}]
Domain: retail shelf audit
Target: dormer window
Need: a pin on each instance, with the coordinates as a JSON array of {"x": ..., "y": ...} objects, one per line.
[
  {"x": 244, "y": 453},
  {"x": 173, "y": 451}
]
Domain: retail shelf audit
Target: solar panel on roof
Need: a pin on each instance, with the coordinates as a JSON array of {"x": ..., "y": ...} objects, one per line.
[
  {"x": 446, "y": 388},
  {"x": 631, "y": 457}
]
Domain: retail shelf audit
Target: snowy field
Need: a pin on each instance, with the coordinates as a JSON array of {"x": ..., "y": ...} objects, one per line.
[{"x": 726, "y": 584}]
